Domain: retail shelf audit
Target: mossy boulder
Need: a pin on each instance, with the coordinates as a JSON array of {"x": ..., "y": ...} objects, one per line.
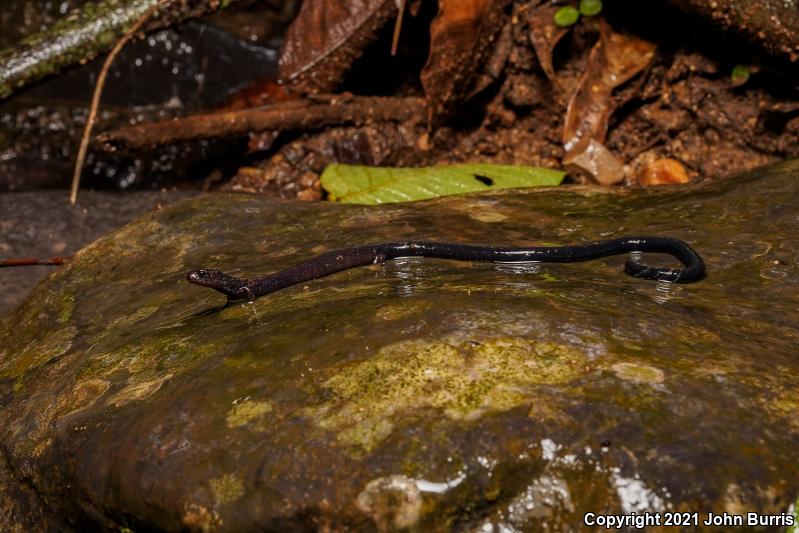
[{"x": 421, "y": 394}]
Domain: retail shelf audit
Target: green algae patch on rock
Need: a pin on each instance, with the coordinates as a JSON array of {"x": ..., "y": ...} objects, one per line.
[
  {"x": 463, "y": 380},
  {"x": 420, "y": 394},
  {"x": 227, "y": 488},
  {"x": 247, "y": 412}
]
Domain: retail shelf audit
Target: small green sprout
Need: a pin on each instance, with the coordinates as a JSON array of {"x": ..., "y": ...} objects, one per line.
[
  {"x": 589, "y": 8},
  {"x": 566, "y": 16},
  {"x": 740, "y": 75}
]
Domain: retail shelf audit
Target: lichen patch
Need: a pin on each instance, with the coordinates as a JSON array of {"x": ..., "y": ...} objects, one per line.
[
  {"x": 227, "y": 488},
  {"x": 463, "y": 380},
  {"x": 248, "y": 413}
]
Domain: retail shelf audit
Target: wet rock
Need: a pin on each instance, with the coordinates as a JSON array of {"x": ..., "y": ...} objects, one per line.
[
  {"x": 41, "y": 224},
  {"x": 421, "y": 394}
]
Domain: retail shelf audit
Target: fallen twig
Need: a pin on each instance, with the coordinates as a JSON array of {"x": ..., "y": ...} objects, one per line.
[
  {"x": 351, "y": 110},
  {"x": 32, "y": 261},
  {"x": 397, "y": 28}
]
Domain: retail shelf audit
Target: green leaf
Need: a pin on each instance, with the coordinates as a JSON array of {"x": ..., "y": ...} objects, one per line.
[
  {"x": 589, "y": 8},
  {"x": 376, "y": 185},
  {"x": 566, "y": 16}
]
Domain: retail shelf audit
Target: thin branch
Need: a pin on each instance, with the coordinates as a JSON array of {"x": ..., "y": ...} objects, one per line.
[
  {"x": 296, "y": 115},
  {"x": 98, "y": 91},
  {"x": 397, "y": 28},
  {"x": 32, "y": 261}
]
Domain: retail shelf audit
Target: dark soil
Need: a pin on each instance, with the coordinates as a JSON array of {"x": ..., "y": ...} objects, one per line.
[{"x": 684, "y": 106}]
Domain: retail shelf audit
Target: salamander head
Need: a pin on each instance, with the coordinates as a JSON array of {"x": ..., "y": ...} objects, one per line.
[{"x": 233, "y": 288}]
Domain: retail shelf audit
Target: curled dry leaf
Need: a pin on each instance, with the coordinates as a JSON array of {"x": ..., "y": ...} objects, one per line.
[
  {"x": 614, "y": 60},
  {"x": 326, "y": 37},
  {"x": 460, "y": 38},
  {"x": 598, "y": 161},
  {"x": 545, "y": 35}
]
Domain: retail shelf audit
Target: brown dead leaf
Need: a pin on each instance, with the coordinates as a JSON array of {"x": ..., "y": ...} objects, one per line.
[
  {"x": 326, "y": 37},
  {"x": 614, "y": 60},
  {"x": 545, "y": 35},
  {"x": 460, "y": 36},
  {"x": 600, "y": 162}
]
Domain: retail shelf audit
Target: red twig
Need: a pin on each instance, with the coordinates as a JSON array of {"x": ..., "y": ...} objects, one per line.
[{"x": 32, "y": 261}]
